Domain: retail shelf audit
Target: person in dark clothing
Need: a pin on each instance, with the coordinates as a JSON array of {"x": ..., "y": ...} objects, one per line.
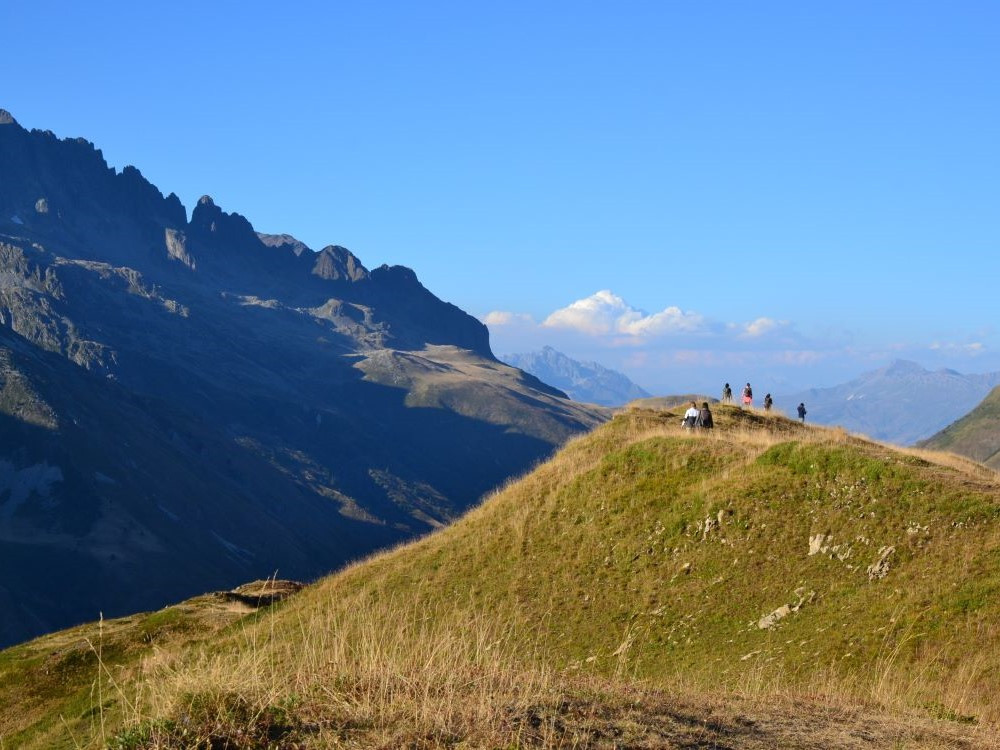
[
  {"x": 802, "y": 413},
  {"x": 705, "y": 416},
  {"x": 768, "y": 402},
  {"x": 727, "y": 394}
]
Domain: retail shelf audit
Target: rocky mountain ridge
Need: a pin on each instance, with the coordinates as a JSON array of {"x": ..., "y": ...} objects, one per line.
[{"x": 210, "y": 404}]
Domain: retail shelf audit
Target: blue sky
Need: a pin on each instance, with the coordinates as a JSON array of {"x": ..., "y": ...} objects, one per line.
[{"x": 813, "y": 187}]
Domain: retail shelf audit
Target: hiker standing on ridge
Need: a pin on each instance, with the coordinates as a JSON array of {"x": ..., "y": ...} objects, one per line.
[
  {"x": 727, "y": 394},
  {"x": 768, "y": 402},
  {"x": 705, "y": 416},
  {"x": 802, "y": 413},
  {"x": 747, "y": 395}
]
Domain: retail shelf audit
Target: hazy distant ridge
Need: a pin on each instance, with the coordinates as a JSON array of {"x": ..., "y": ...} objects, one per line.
[
  {"x": 589, "y": 382},
  {"x": 901, "y": 403}
]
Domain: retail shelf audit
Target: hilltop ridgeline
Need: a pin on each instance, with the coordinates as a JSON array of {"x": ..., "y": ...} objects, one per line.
[
  {"x": 188, "y": 404},
  {"x": 764, "y": 558}
]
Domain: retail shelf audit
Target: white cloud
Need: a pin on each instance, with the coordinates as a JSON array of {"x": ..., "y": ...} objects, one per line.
[
  {"x": 606, "y": 313},
  {"x": 504, "y": 318},
  {"x": 974, "y": 348},
  {"x": 761, "y": 326},
  {"x": 595, "y": 314}
]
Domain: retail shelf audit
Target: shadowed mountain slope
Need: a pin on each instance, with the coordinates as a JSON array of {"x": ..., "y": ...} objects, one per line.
[
  {"x": 839, "y": 585},
  {"x": 976, "y": 435},
  {"x": 188, "y": 404}
]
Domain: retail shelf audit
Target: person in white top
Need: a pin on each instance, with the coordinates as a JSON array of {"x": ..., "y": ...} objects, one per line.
[{"x": 691, "y": 415}]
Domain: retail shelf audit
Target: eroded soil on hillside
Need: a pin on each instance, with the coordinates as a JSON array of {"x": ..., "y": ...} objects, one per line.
[
  {"x": 742, "y": 724},
  {"x": 644, "y": 722}
]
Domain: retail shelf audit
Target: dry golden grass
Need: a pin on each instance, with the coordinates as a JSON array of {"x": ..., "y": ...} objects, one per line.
[
  {"x": 377, "y": 674},
  {"x": 374, "y": 668}
]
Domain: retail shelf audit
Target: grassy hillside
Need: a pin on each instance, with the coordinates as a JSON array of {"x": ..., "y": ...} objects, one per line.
[
  {"x": 54, "y": 690},
  {"x": 647, "y": 586},
  {"x": 976, "y": 435}
]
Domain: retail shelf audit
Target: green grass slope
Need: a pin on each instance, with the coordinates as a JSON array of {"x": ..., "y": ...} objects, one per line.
[
  {"x": 647, "y": 549},
  {"x": 764, "y": 561},
  {"x": 976, "y": 435},
  {"x": 63, "y": 688}
]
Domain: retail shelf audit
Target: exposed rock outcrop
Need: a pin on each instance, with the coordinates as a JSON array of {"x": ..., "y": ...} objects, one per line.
[
  {"x": 771, "y": 620},
  {"x": 880, "y": 568}
]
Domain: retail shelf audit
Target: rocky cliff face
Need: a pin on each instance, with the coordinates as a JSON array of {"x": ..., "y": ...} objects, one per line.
[{"x": 187, "y": 404}]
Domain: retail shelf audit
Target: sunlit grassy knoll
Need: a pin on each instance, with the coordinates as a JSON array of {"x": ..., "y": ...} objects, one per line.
[{"x": 620, "y": 587}]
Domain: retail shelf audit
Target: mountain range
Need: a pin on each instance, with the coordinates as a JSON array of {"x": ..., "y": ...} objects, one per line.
[
  {"x": 901, "y": 403},
  {"x": 588, "y": 382},
  {"x": 188, "y": 404}
]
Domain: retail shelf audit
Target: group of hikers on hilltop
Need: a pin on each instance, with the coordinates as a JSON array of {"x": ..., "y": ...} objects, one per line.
[
  {"x": 702, "y": 417},
  {"x": 695, "y": 417},
  {"x": 746, "y": 398}
]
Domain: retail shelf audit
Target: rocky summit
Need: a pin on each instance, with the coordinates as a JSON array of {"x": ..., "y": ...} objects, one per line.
[{"x": 188, "y": 404}]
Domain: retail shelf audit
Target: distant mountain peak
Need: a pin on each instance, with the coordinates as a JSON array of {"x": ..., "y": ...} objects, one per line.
[
  {"x": 211, "y": 224},
  {"x": 336, "y": 262},
  {"x": 902, "y": 402},
  {"x": 286, "y": 241},
  {"x": 903, "y": 368},
  {"x": 6, "y": 118},
  {"x": 583, "y": 381}
]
